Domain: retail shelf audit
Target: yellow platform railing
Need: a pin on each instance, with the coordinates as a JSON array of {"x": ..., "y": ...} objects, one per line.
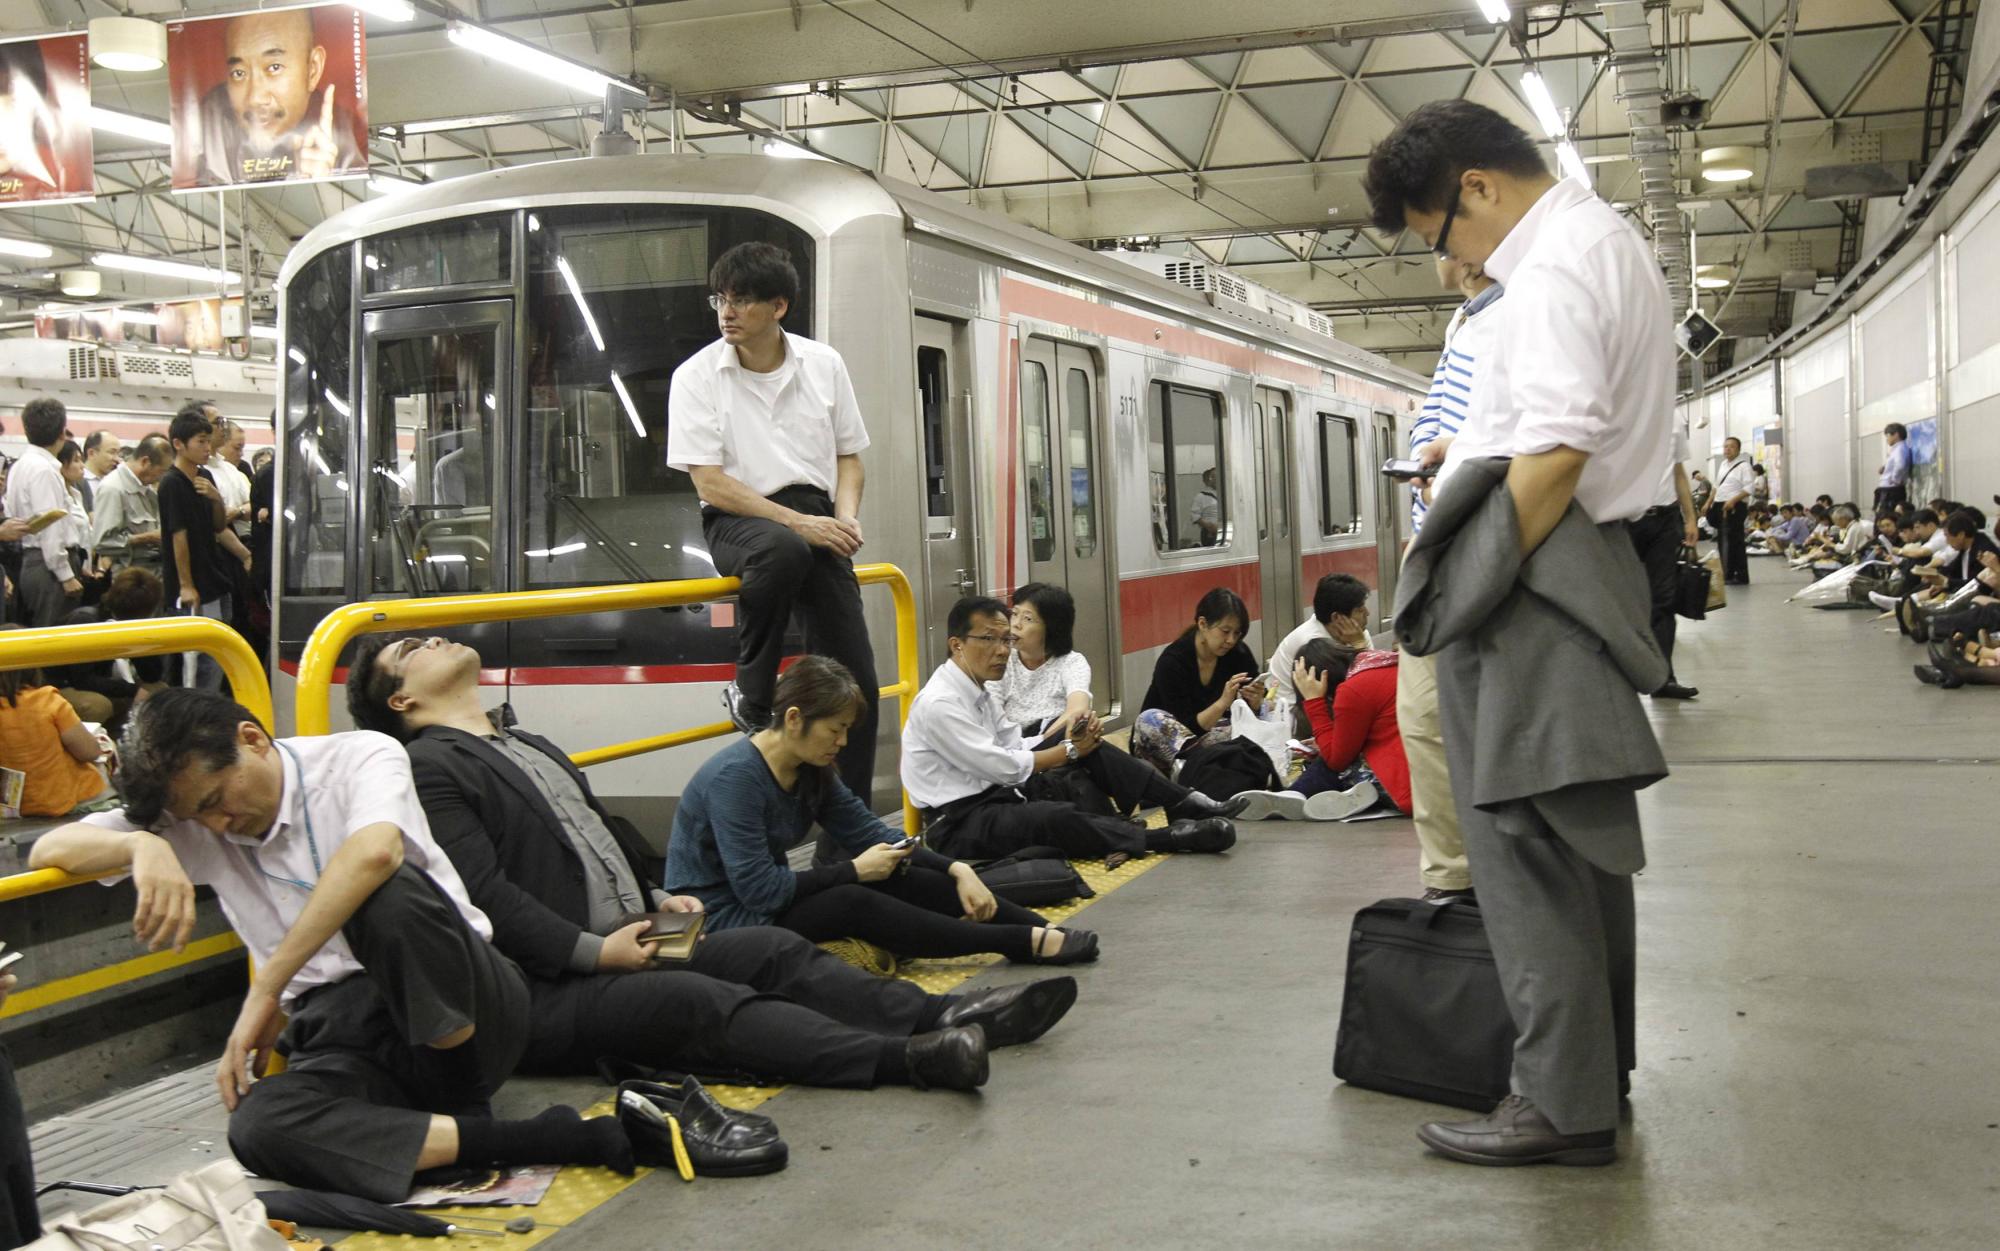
[
  {"x": 340, "y": 627},
  {"x": 113, "y": 640}
]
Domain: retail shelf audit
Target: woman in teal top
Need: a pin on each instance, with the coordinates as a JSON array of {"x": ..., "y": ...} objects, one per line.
[{"x": 759, "y": 797}]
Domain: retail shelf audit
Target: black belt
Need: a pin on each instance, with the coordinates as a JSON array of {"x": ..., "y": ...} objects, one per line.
[{"x": 937, "y": 818}]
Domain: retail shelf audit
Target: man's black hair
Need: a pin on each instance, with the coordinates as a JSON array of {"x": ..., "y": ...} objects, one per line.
[
  {"x": 1896, "y": 428},
  {"x": 154, "y": 449},
  {"x": 1417, "y": 166},
  {"x": 1338, "y": 593},
  {"x": 94, "y": 441},
  {"x": 173, "y": 730},
  {"x": 189, "y": 423},
  {"x": 756, "y": 271},
  {"x": 1328, "y": 659},
  {"x": 1057, "y": 609},
  {"x": 370, "y": 687},
  {"x": 43, "y": 420},
  {"x": 1924, "y": 517},
  {"x": 1964, "y": 521},
  {"x": 968, "y": 610}
]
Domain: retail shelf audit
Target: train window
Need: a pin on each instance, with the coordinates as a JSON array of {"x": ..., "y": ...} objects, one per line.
[
  {"x": 1190, "y": 490},
  {"x": 931, "y": 383},
  {"x": 433, "y": 423},
  {"x": 465, "y": 251},
  {"x": 1339, "y": 489},
  {"x": 1035, "y": 459},
  {"x": 1080, "y": 403},
  {"x": 317, "y": 411},
  {"x": 617, "y": 299}
]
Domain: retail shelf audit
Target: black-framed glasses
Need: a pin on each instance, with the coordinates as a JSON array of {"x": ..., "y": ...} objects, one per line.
[
  {"x": 1442, "y": 247},
  {"x": 720, "y": 302},
  {"x": 1008, "y": 639}
]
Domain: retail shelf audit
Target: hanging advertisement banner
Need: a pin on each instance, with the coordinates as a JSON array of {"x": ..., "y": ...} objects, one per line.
[
  {"x": 274, "y": 96},
  {"x": 45, "y": 136}
]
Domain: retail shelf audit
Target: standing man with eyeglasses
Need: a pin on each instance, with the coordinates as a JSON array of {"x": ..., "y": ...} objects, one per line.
[{"x": 767, "y": 425}]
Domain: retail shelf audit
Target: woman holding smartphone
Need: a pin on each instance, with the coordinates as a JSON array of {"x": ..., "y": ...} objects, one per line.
[
  {"x": 759, "y": 797},
  {"x": 1196, "y": 680},
  {"x": 1046, "y": 691}
]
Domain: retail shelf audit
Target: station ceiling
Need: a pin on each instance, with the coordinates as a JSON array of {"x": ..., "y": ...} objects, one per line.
[{"x": 1236, "y": 132}]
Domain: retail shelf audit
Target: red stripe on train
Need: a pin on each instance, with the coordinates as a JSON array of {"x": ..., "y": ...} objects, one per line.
[
  {"x": 1153, "y": 609},
  {"x": 1064, "y": 309}
]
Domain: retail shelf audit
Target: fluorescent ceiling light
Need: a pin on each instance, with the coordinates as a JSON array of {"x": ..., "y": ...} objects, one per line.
[
  {"x": 387, "y": 10},
  {"x": 127, "y": 44},
  {"x": 1543, "y": 104},
  {"x": 526, "y": 57},
  {"x": 1712, "y": 277},
  {"x": 26, "y": 247},
  {"x": 131, "y": 126},
  {"x": 1728, "y": 164},
  {"x": 165, "y": 269},
  {"x": 339, "y": 406},
  {"x": 790, "y": 151},
  {"x": 564, "y": 550},
  {"x": 297, "y": 357},
  {"x": 1570, "y": 163},
  {"x": 1495, "y": 11},
  {"x": 576, "y": 293},
  {"x": 625, "y": 397},
  {"x": 138, "y": 317}
]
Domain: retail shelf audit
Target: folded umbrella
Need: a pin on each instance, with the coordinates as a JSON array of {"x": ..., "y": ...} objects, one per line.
[{"x": 337, "y": 1211}]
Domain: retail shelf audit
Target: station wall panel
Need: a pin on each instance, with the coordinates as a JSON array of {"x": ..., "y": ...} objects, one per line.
[{"x": 1816, "y": 404}]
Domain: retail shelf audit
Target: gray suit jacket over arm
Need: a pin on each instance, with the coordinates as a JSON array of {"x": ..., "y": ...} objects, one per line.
[{"x": 1555, "y": 650}]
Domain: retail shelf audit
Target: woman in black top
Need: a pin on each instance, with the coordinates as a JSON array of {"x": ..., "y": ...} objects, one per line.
[{"x": 1196, "y": 680}]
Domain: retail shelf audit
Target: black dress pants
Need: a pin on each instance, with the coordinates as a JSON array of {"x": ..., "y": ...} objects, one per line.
[
  {"x": 1004, "y": 823},
  {"x": 1967, "y": 621},
  {"x": 1735, "y": 556},
  {"x": 351, "y": 1109},
  {"x": 1656, "y": 536},
  {"x": 19, "y": 1220},
  {"x": 1887, "y": 498},
  {"x": 782, "y": 575},
  {"x": 1128, "y": 782},
  {"x": 913, "y": 913},
  {"x": 757, "y": 1002}
]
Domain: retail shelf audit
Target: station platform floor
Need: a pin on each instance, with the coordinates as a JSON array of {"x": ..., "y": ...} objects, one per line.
[{"x": 1818, "y": 1025}]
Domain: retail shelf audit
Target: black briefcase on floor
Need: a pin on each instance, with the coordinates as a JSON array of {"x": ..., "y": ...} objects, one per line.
[{"x": 1422, "y": 1014}]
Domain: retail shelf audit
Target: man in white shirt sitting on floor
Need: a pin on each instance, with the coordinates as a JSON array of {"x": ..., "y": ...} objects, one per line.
[
  {"x": 1339, "y": 615},
  {"x": 403, "y": 1017},
  {"x": 963, "y": 760}
]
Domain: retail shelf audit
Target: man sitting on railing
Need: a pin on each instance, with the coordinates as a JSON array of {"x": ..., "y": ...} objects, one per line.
[
  {"x": 404, "y": 1019},
  {"x": 963, "y": 760},
  {"x": 562, "y": 879}
]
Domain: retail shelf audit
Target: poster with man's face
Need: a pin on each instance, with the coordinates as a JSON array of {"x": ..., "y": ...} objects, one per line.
[
  {"x": 45, "y": 138},
  {"x": 274, "y": 96}
]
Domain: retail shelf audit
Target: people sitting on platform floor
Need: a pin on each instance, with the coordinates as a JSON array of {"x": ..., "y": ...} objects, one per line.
[
  {"x": 564, "y": 882},
  {"x": 964, "y": 762},
  {"x": 1339, "y": 616},
  {"x": 1846, "y": 538},
  {"x": 1971, "y": 557},
  {"x": 404, "y": 1019},
  {"x": 755, "y": 800},
  {"x": 1789, "y": 531},
  {"x": 43, "y": 737},
  {"x": 105, "y": 690},
  {"x": 1046, "y": 691},
  {"x": 1197, "y": 679},
  {"x": 1351, "y": 699}
]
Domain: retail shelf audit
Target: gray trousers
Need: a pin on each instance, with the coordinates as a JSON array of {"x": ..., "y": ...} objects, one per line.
[
  {"x": 1561, "y": 928},
  {"x": 351, "y": 1109},
  {"x": 43, "y": 600}
]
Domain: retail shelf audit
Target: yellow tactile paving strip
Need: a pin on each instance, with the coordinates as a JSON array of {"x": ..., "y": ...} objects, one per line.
[{"x": 577, "y": 1191}]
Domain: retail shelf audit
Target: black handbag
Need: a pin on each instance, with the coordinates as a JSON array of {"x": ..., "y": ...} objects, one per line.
[
  {"x": 1035, "y": 877},
  {"x": 1690, "y": 586},
  {"x": 1422, "y": 1014},
  {"x": 1224, "y": 770}
]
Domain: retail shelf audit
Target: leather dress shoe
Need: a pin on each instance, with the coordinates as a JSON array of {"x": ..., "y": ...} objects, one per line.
[
  {"x": 1674, "y": 690},
  {"x": 1514, "y": 1133},
  {"x": 741, "y": 715},
  {"x": 1932, "y": 675},
  {"x": 1013, "y": 1014},
  {"x": 1210, "y": 834},
  {"x": 1195, "y": 805},
  {"x": 1433, "y": 894},
  {"x": 948, "y": 1059},
  {"x": 720, "y": 1142}
]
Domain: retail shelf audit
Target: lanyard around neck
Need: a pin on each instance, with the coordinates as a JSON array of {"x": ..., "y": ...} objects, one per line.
[{"x": 312, "y": 843}]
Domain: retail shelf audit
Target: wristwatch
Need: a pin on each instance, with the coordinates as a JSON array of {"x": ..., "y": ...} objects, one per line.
[{"x": 1069, "y": 749}]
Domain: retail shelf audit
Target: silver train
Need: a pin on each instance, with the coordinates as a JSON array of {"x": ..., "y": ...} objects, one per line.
[{"x": 474, "y": 398}]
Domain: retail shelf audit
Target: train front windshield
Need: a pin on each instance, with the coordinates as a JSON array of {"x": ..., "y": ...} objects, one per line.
[{"x": 480, "y": 404}]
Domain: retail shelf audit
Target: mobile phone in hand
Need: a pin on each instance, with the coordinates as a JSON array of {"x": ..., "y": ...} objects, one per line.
[{"x": 1407, "y": 469}]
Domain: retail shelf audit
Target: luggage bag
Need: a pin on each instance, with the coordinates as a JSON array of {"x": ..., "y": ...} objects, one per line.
[{"x": 1422, "y": 1015}]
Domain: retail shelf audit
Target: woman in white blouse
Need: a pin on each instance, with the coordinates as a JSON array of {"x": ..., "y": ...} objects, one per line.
[
  {"x": 1046, "y": 690},
  {"x": 75, "y": 528}
]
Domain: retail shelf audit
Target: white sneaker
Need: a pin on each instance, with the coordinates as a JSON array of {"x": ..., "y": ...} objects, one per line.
[
  {"x": 1887, "y": 603},
  {"x": 1266, "y": 805},
  {"x": 1339, "y": 805}
]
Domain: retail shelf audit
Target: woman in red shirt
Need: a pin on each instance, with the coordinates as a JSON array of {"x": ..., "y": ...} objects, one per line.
[{"x": 1350, "y": 698}]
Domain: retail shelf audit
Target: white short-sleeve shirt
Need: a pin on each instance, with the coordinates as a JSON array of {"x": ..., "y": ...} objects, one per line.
[
  {"x": 768, "y": 431},
  {"x": 1030, "y": 698},
  {"x": 335, "y": 786}
]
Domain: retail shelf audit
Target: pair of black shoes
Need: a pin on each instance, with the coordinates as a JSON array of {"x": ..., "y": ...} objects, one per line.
[
  {"x": 953, "y": 1056},
  {"x": 1195, "y": 806}
]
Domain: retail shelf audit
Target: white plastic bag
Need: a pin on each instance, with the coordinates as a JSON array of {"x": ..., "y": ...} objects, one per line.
[{"x": 1272, "y": 736}]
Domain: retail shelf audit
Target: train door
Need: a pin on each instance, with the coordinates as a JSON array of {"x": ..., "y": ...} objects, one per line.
[
  {"x": 1068, "y": 540},
  {"x": 434, "y": 379},
  {"x": 1392, "y": 508},
  {"x": 1277, "y": 535},
  {"x": 950, "y": 558}
]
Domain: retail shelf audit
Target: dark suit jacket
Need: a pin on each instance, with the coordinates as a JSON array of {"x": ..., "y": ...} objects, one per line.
[{"x": 509, "y": 845}]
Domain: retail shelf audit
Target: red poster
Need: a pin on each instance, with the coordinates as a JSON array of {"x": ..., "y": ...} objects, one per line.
[
  {"x": 274, "y": 96},
  {"x": 45, "y": 142}
]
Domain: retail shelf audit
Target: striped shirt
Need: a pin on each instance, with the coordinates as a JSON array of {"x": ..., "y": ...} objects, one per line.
[{"x": 1444, "y": 409}]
